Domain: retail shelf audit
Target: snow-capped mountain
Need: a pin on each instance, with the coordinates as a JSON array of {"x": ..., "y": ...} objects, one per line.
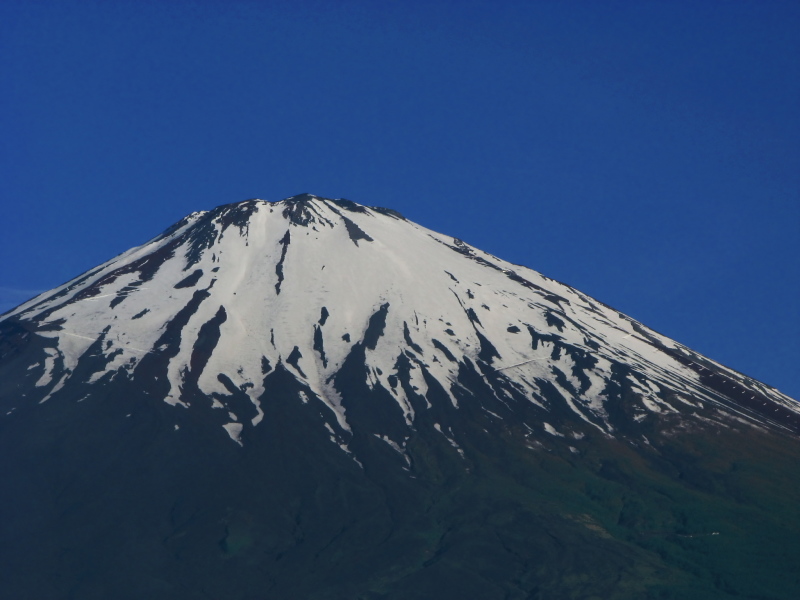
[
  {"x": 202, "y": 313},
  {"x": 315, "y": 398}
]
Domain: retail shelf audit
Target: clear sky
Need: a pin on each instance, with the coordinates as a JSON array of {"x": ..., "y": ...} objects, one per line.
[{"x": 646, "y": 153}]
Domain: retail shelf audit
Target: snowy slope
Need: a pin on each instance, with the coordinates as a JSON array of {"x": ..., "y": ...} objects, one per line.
[{"x": 224, "y": 297}]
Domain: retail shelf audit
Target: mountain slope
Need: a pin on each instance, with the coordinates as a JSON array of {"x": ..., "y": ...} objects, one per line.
[{"x": 313, "y": 398}]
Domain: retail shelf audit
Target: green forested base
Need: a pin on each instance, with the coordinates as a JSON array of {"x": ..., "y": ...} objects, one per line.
[
  {"x": 100, "y": 505},
  {"x": 103, "y": 497}
]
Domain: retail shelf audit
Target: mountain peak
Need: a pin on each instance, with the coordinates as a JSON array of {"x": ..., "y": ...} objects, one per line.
[
  {"x": 340, "y": 203},
  {"x": 298, "y": 395},
  {"x": 203, "y": 313},
  {"x": 305, "y": 197}
]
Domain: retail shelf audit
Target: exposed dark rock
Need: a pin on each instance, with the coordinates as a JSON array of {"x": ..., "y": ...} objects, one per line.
[
  {"x": 443, "y": 349},
  {"x": 294, "y": 358},
  {"x": 388, "y": 212},
  {"x": 207, "y": 339},
  {"x": 191, "y": 280},
  {"x": 409, "y": 341},
  {"x": 487, "y": 351},
  {"x": 279, "y": 266},
  {"x": 318, "y": 345},
  {"x": 554, "y": 321},
  {"x": 349, "y": 205},
  {"x": 355, "y": 232},
  {"x": 377, "y": 323}
]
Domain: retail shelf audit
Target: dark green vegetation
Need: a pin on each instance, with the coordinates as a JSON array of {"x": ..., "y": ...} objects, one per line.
[{"x": 98, "y": 504}]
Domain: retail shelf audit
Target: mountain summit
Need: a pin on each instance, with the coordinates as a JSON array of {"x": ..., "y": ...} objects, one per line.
[{"x": 315, "y": 398}]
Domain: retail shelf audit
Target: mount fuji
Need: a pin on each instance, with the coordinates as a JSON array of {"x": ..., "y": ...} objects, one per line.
[{"x": 313, "y": 398}]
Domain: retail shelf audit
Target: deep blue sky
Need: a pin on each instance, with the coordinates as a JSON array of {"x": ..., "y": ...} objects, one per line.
[{"x": 646, "y": 153}]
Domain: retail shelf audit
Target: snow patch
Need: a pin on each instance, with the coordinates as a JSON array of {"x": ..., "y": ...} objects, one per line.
[{"x": 235, "y": 431}]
